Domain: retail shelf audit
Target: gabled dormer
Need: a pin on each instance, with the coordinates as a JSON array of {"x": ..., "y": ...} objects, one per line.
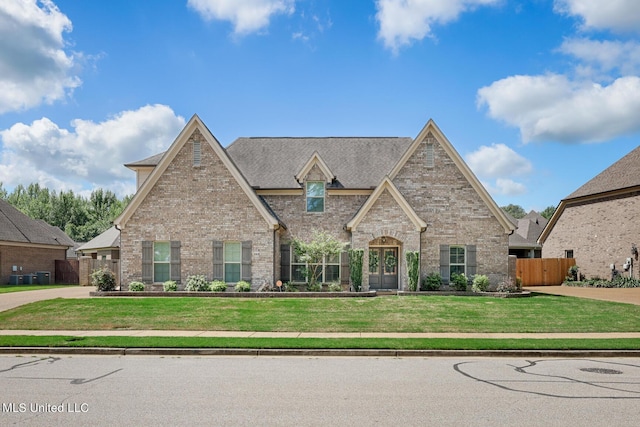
[{"x": 317, "y": 161}]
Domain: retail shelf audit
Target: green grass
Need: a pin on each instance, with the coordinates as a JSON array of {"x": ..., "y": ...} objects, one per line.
[
  {"x": 539, "y": 313},
  {"x": 322, "y": 343},
  {"x": 20, "y": 288}
]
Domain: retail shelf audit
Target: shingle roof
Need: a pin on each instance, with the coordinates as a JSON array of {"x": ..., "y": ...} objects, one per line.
[
  {"x": 356, "y": 162},
  {"x": 108, "y": 239},
  {"x": 622, "y": 174},
  {"x": 529, "y": 229},
  {"x": 18, "y": 227},
  {"x": 149, "y": 161}
]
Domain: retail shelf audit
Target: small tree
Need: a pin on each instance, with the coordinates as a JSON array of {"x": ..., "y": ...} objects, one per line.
[
  {"x": 312, "y": 253},
  {"x": 355, "y": 268}
]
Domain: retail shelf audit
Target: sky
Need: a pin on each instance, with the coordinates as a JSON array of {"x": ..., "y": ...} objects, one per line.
[{"x": 537, "y": 96}]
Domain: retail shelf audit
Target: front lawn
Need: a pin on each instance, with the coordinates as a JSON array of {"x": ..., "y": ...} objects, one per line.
[{"x": 539, "y": 313}]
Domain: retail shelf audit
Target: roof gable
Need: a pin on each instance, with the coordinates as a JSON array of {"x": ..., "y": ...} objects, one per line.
[
  {"x": 432, "y": 128},
  {"x": 315, "y": 160},
  {"x": 387, "y": 185},
  {"x": 108, "y": 239},
  {"x": 193, "y": 124}
]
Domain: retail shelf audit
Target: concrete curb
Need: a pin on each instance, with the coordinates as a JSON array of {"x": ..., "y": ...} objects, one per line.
[{"x": 104, "y": 351}]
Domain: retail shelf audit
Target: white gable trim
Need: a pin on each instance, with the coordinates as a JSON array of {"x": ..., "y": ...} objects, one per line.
[
  {"x": 315, "y": 160},
  {"x": 180, "y": 141},
  {"x": 386, "y": 184},
  {"x": 462, "y": 167}
]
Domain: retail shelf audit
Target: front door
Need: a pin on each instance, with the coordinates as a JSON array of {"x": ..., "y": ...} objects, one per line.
[{"x": 383, "y": 268}]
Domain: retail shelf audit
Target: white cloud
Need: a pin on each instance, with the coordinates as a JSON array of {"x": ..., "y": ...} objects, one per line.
[
  {"x": 92, "y": 154},
  {"x": 604, "y": 55},
  {"x": 617, "y": 15},
  {"x": 34, "y": 66},
  {"x": 498, "y": 160},
  {"x": 247, "y": 16},
  {"x": 552, "y": 107},
  {"x": 402, "y": 21},
  {"x": 508, "y": 187}
]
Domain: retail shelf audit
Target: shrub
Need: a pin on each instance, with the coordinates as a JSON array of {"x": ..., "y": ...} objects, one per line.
[
  {"x": 136, "y": 287},
  {"x": 480, "y": 283},
  {"x": 459, "y": 282},
  {"x": 314, "y": 287},
  {"x": 509, "y": 286},
  {"x": 413, "y": 269},
  {"x": 104, "y": 279},
  {"x": 242, "y": 286},
  {"x": 334, "y": 287},
  {"x": 432, "y": 282},
  {"x": 289, "y": 287},
  {"x": 170, "y": 286},
  {"x": 355, "y": 268},
  {"x": 218, "y": 286},
  {"x": 197, "y": 283}
]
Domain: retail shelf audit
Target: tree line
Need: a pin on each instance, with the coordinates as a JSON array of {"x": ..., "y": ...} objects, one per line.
[
  {"x": 79, "y": 217},
  {"x": 518, "y": 211}
]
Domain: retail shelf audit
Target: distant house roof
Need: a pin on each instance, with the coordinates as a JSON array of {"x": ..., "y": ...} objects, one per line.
[
  {"x": 529, "y": 229},
  {"x": 109, "y": 239},
  {"x": 149, "y": 161},
  {"x": 622, "y": 174},
  {"x": 18, "y": 227}
]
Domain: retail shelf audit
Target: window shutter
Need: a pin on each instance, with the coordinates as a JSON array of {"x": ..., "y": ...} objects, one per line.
[
  {"x": 246, "y": 261},
  {"x": 218, "y": 260},
  {"x": 444, "y": 263},
  {"x": 175, "y": 261},
  {"x": 147, "y": 261},
  {"x": 344, "y": 268},
  {"x": 285, "y": 263},
  {"x": 471, "y": 260}
]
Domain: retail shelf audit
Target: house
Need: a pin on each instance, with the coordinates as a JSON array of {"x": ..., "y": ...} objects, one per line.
[
  {"x": 232, "y": 213},
  {"x": 28, "y": 246},
  {"x": 596, "y": 224},
  {"x": 104, "y": 246},
  {"x": 523, "y": 242}
]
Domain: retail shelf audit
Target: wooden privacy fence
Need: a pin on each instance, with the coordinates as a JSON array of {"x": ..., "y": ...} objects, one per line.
[
  {"x": 89, "y": 265},
  {"x": 67, "y": 271},
  {"x": 543, "y": 271}
]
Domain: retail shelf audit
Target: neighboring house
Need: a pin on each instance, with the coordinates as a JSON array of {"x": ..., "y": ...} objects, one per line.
[
  {"x": 523, "y": 243},
  {"x": 597, "y": 224},
  {"x": 104, "y": 246},
  {"x": 28, "y": 245},
  {"x": 231, "y": 214}
]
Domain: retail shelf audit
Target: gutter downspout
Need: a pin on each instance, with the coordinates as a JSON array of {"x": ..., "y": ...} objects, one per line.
[{"x": 120, "y": 231}]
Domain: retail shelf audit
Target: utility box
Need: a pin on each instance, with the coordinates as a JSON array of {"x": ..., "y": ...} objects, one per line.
[
  {"x": 15, "y": 279},
  {"x": 29, "y": 279},
  {"x": 43, "y": 277}
]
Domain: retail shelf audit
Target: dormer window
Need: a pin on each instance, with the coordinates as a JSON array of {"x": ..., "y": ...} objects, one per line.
[{"x": 315, "y": 196}]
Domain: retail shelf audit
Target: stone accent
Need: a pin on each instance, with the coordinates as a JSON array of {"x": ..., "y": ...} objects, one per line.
[
  {"x": 599, "y": 232},
  {"x": 454, "y": 212},
  {"x": 197, "y": 205}
]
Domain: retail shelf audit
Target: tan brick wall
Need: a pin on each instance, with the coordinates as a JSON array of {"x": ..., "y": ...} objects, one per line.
[
  {"x": 599, "y": 234},
  {"x": 197, "y": 205},
  {"x": 454, "y": 212},
  {"x": 30, "y": 259}
]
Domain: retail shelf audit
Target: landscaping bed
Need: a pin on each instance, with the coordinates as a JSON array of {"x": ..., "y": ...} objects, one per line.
[{"x": 233, "y": 294}]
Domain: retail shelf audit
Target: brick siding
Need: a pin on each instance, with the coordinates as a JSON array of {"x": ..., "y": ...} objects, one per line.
[{"x": 30, "y": 259}]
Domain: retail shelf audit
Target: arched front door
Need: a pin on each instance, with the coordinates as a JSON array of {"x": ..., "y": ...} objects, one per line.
[{"x": 383, "y": 267}]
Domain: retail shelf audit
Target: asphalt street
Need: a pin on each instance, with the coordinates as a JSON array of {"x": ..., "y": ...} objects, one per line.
[{"x": 317, "y": 391}]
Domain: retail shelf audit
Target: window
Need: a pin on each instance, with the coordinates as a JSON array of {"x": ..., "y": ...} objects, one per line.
[
  {"x": 328, "y": 269},
  {"x": 568, "y": 253},
  {"x": 315, "y": 196},
  {"x": 232, "y": 261},
  {"x": 430, "y": 162},
  {"x": 197, "y": 153},
  {"x": 161, "y": 261},
  {"x": 456, "y": 260}
]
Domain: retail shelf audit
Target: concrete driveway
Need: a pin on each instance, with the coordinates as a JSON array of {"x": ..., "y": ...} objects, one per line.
[
  {"x": 15, "y": 299},
  {"x": 625, "y": 295}
]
